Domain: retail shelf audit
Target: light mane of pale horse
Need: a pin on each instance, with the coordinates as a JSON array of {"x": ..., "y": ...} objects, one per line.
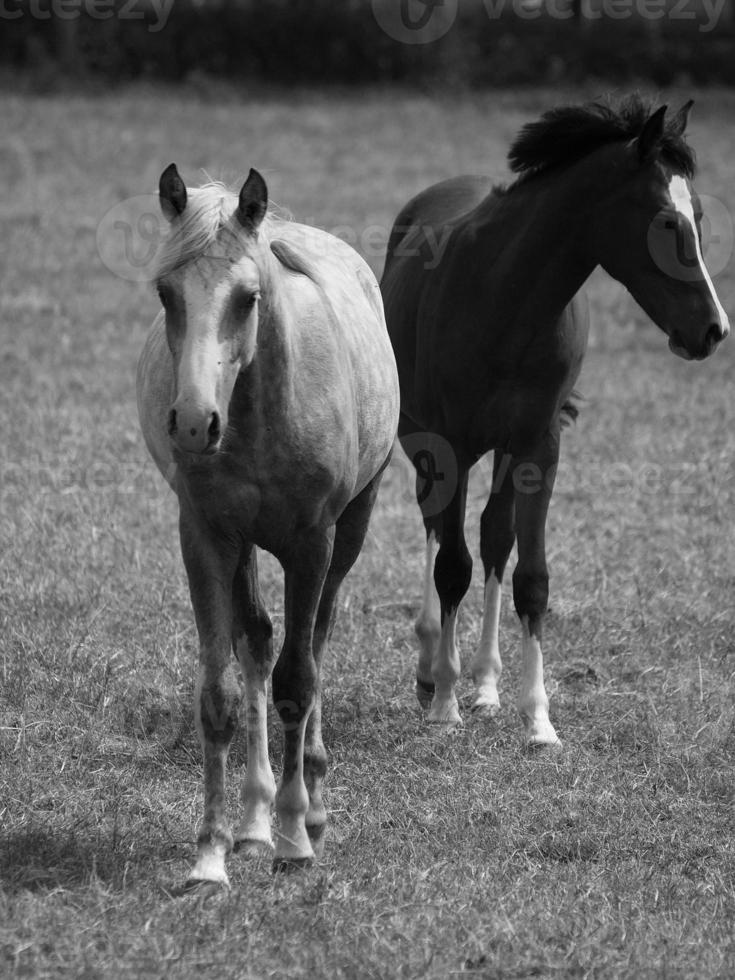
[{"x": 208, "y": 210}]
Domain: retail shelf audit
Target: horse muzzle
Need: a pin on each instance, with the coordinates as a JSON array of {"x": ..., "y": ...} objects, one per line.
[
  {"x": 714, "y": 336},
  {"x": 195, "y": 431}
]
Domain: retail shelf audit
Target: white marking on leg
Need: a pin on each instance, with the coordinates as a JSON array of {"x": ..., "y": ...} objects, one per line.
[
  {"x": 682, "y": 200},
  {"x": 445, "y": 671},
  {"x": 428, "y": 623},
  {"x": 259, "y": 787},
  {"x": 533, "y": 704},
  {"x": 210, "y": 864},
  {"x": 211, "y": 852},
  {"x": 292, "y": 804},
  {"x": 486, "y": 664}
]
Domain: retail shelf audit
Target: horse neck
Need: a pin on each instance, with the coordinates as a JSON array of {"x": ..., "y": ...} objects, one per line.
[{"x": 550, "y": 216}]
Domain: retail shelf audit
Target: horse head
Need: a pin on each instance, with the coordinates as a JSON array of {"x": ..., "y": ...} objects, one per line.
[
  {"x": 210, "y": 285},
  {"x": 647, "y": 233}
]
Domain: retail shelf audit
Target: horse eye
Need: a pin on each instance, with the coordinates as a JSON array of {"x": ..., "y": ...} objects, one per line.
[{"x": 243, "y": 304}]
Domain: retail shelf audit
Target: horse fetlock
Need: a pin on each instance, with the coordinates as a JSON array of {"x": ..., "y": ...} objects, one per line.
[
  {"x": 485, "y": 699},
  {"x": 255, "y": 825},
  {"x": 537, "y": 729}
]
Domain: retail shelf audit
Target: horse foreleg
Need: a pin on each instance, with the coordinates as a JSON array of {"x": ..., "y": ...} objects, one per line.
[
  {"x": 252, "y": 638},
  {"x": 452, "y": 576},
  {"x": 531, "y": 585},
  {"x": 295, "y": 691},
  {"x": 428, "y": 624},
  {"x": 210, "y": 571},
  {"x": 497, "y": 535}
]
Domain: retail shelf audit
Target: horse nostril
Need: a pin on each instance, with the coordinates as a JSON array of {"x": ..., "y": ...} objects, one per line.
[
  {"x": 214, "y": 428},
  {"x": 172, "y": 422},
  {"x": 714, "y": 335}
]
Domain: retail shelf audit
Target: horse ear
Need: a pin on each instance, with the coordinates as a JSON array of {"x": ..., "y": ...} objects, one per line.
[
  {"x": 651, "y": 134},
  {"x": 679, "y": 122},
  {"x": 253, "y": 202},
  {"x": 171, "y": 192}
]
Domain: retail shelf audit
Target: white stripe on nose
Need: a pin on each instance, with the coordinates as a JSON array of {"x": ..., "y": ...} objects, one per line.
[{"x": 681, "y": 198}]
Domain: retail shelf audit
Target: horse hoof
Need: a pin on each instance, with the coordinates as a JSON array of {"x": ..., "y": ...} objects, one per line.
[
  {"x": 446, "y": 727},
  {"x": 201, "y": 888},
  {"x": 446, "y": 716},
  {"x": 424, "y": 693},
  {"x": 485, "y": 710},
  {"x": 539, "y": 746},
  {"x": 290, "y": 865},
  {"x": 253, "y": 848}
]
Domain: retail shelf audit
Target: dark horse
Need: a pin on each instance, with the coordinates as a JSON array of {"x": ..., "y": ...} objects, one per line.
[
  {"x": 268, "y": 398},
  {"x": 489, "y": 341}
]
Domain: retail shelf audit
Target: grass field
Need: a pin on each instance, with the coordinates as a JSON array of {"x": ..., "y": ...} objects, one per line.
[{"x": 446, "y": 855}]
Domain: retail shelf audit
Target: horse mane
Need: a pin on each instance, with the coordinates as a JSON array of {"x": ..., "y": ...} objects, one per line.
[
  {"x": 208, "y": 211},
  {"x": 566, "y": 134}
]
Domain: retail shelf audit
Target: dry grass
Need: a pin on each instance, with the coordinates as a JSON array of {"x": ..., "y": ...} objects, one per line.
[{"x": 446, "y": 856}]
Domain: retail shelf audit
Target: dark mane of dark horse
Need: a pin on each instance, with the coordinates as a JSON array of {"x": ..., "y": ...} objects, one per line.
[{"x": 567, "y": 134}]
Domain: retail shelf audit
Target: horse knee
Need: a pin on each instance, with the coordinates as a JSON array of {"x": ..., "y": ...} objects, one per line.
[
  {"x": 496, "y": 545},
  {"x": 260, "y": 630},
  {"x": 217, "y": 706},
  {"x": 452, "y": 575},
  {"x": 294, "y": 688},
  {"x": 427, "y": 629},
  {"x": 531, "y": 595}
]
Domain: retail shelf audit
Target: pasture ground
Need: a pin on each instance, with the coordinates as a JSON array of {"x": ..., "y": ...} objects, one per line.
[{"x": 446, "y": 855}]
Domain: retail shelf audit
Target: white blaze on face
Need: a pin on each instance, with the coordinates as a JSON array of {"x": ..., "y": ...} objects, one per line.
[
  {"x": 202, "y": 354},
  {"x": 682, "y": 200}
]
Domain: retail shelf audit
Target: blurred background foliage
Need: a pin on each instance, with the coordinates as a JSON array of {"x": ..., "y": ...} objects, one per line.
[{"x": 491, "y": 42}]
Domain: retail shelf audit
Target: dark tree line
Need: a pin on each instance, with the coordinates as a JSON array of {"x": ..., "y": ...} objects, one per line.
[{"x": 320, "y": 41}]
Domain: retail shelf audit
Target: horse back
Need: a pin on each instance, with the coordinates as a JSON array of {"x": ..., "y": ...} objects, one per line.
[{"x": 436, "y": 206}]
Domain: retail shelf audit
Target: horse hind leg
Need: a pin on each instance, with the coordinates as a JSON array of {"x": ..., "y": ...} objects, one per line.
[
  {"x": 497, "y": 536},
  {"x": 252, "y": 641},
  {"x": 349, "y": 537},
  {"x": 433, "y": 460}
]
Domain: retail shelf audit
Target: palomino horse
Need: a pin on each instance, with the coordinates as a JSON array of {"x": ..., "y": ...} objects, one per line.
[
  {"x": 268, "y": 398},
  {"x": 489, "y": 339}
]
